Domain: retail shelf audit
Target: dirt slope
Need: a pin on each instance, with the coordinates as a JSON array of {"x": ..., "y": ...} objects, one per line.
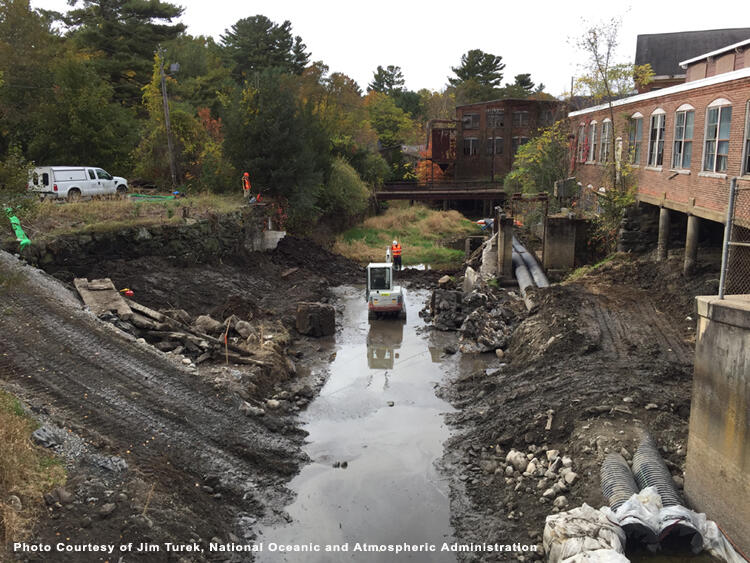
[
  {"x": 600, "y": 360},
  {"x": 205, "y": 461}
]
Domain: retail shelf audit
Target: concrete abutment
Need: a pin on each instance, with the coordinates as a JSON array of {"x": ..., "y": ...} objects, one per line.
[{"x": 717, "y": 477}]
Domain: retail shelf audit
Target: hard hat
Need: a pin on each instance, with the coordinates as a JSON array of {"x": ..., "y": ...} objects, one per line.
[
  {"x": 395, "y": 242},
  {"x": 246, "y": 174}
]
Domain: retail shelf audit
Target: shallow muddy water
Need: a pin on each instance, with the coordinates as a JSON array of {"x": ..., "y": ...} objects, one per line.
[{"x": 375, "y": 433}]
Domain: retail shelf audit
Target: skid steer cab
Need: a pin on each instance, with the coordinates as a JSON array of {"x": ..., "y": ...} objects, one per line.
[{"x": 383, "y": 297}]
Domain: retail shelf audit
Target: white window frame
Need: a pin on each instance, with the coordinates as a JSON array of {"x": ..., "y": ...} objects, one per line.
[
  {"x": 591, "y": 157},
  {"x": 678, "y": 156},
  {"x": 654, "y": 144},
  {"x": 720, "y": 105},
  {"x": 605, "y": 140},
  {"x": 634, "y": 140},
  {"x": 491, "y": 115}
]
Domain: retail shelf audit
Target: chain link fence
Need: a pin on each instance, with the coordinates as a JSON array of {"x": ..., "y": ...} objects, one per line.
[{"x": 735, "y": 272}]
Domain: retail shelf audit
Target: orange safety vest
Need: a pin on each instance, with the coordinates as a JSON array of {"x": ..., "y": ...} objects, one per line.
[
  {"x": 396, "y": 250},
  {"x": 246, "y": 183}
]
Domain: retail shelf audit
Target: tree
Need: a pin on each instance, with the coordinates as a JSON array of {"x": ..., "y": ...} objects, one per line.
[
  {"x": 387, "y": 80},
  {"x": 277, "y": 137},
  {"x": 393, "y": 125},
  {"x": 197, "y": 138},
  {"x": 82, "y": 123},
  {"x": 606, "y": 80},
  {"x": 483, "y": 68},
  {"x": 255, "y": 44},
  {"x": 540, "y": 162},
  {"x": 27, "y": 48},
  {"x": 121, "y": 36},
  {"x": 344, "y": 196}
]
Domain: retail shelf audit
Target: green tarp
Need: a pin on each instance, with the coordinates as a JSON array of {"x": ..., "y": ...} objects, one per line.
[{"x": 21, "y": 237}]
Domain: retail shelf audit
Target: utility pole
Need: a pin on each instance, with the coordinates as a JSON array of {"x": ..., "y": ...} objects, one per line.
[{"x": 170, "y": 148}]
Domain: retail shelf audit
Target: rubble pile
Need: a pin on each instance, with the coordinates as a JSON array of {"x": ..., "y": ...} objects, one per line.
[{"x": 483, "y": 316}]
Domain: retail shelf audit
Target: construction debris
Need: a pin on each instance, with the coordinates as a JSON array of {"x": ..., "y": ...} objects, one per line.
[{"x": 101, "y": 297}]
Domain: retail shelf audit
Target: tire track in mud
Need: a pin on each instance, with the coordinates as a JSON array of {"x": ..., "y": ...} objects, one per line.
[
  {"x": 620, "y": 323},
  {"x": 176, "y": 428}
]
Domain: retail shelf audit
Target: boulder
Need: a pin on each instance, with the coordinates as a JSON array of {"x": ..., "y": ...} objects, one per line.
[
  {"x": 445, "y": 281},
  {"x": 207, "y": 325},
  {"x": 244, "y": 329},
  {"x": 316, "y": 319}
]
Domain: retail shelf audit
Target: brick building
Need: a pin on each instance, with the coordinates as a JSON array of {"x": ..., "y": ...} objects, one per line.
[
  {"x": 685, "y": 142},
  {"x": 489, "y": 134}
]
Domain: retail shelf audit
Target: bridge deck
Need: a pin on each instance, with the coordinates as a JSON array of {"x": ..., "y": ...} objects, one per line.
[{"x": 486, "y": 191}]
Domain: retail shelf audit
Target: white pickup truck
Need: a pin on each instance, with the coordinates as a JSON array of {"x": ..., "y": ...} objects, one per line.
[{"x": 74, "y": 182}]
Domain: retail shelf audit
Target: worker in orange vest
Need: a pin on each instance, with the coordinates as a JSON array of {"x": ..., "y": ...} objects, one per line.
[
  {"x": 396, "y": 253},
  {"x": 246, "y": 189}
]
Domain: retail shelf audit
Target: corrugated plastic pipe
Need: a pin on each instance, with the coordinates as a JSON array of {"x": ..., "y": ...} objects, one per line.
[
  {"x": 618, "y": 483},
  {"x": 651, "y": 471}
]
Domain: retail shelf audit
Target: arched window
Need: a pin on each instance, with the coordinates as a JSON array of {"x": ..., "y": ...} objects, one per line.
[
  {"x": 635, "y": 137},
  {"x": 656, "y": 138},
  {"x": 605, "y": 149},
  {"x": 716, "y": 138},
  {"x": 592, "y": 142},
  {"x": 683, "y": 137}
]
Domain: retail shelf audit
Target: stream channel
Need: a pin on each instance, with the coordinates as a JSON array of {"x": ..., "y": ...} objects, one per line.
[{"x": 372, "y": 478}]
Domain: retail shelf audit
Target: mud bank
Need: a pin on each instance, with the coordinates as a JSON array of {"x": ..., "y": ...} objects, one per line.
[{"x": 598, "y": 360}]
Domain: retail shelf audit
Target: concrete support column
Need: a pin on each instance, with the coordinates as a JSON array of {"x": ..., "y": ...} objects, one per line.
[
  {"x": 691, "y": 245},
  {"x": 663, "y": 244},
  {"x": 504, "y": 246}
]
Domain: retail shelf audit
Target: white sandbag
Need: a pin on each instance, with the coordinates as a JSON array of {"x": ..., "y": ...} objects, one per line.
[
  {"x": 488, "y": 268},
  {"x": 580, "y": 530},
  {"x": 598, "y": 556}
]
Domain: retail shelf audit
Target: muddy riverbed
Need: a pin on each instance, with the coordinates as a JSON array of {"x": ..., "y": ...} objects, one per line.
[{"x": 375, "y": 434}]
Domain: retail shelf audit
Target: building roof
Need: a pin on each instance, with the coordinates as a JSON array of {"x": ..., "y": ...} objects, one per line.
[
  {"x": 733, "y": 46},
  {"x": 665, "y": 51},
  {"x": 684, "y": 87},
  {"x": 529, "y": 99}
]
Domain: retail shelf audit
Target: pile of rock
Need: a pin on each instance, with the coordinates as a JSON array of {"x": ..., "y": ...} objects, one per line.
[
  {"x": 482, "y": 315},
  {"x": 543, "y": 472}
]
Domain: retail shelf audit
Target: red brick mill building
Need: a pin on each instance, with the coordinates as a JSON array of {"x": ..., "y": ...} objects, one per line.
[
  {"x": 685, "y": 142},
  {"x": 489, "y": 134}
]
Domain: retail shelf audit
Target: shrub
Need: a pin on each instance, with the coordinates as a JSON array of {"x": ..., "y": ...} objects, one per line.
[{"x": 345, "y": 196}]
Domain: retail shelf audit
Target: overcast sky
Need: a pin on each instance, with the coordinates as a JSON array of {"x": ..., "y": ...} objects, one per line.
[{"x": 427, "y": 38}]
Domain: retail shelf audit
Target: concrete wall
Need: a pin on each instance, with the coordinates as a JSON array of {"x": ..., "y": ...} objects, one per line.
[{"x": 717, "y": 478}]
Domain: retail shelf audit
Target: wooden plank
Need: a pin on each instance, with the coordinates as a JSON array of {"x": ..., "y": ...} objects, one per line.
[
  {"x": 101, "y": 296},
  {"x": 147, "y": 311},
  {"x": 289, "y": 272}
]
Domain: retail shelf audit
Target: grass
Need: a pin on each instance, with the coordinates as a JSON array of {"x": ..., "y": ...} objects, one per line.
[
  {"x": 26, "y": 471},
  {"x": 420, "y": 230},
  {"x": 581, "y": 272},
  {"x": 49, "y": 218}
]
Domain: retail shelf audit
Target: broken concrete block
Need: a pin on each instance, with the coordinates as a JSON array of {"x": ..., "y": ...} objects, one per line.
[
  {"x": 316, "y": 319},
  {"x": 207, "y": 325},
  {"x": 243, "y": 328},
  {"x": 471, "y": 277}
]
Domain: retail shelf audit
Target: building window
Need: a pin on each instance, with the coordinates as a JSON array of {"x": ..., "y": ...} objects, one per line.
[
  {"x": 516, "y": 142},
  {"x": 656, "y": 140},
  {"x": 520, "y": 119},
  {"x": 635, "y": 138},
  {"x": 606, "y": 144},
  {"x": 592, "y": 142},
  {"x": 471, "y": 146},
  {"x": 716, "y": 147},
  {"x": 683, "y": 139},
  {"x": 494, "y": 146},
  {"x": 581, "y": 143},
  {"x": 547, "y": 118},
  {"x": 470, "y": 121},
  {"x": 746, "y": 160},
  {"x": 495, "y": 118}
]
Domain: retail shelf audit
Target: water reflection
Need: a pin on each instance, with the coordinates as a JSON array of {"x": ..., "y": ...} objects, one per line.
[{"x": 383, "y": 342}]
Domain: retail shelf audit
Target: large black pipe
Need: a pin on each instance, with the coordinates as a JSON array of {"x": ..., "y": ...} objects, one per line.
[{"x": 540, "y": 279}]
